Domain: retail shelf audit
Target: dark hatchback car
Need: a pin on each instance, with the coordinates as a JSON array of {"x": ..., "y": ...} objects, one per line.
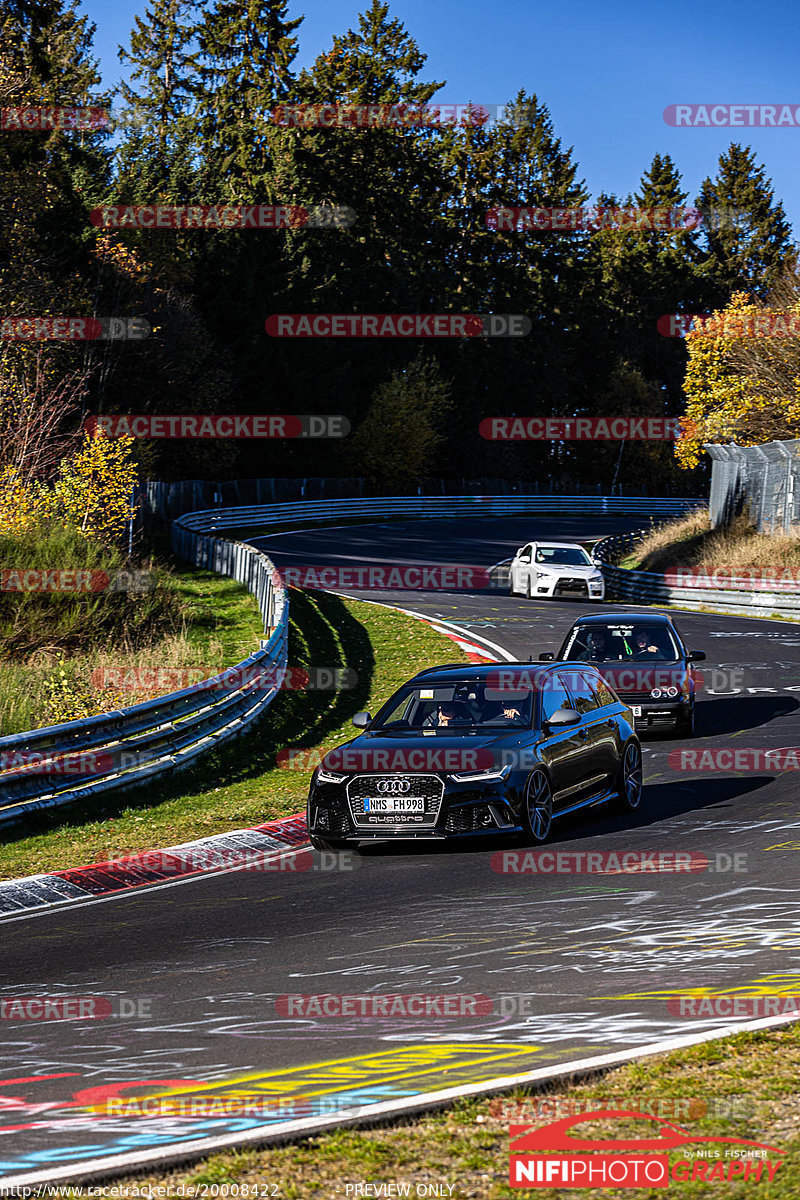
[
  {"x": 645, "y": 660},
  {"x": 461, "y": 751}
]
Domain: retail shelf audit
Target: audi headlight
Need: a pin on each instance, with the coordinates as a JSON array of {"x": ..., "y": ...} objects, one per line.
[
  {"x": 329, "y": 777},
  {"x": 481, "y": 776}
]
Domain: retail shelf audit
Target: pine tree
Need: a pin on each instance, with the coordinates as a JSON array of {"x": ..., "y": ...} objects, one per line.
[
  {"x": 247, "y": 50},
  {"x": 156, "y": 158},
  {"x": 752, "y": 247}
]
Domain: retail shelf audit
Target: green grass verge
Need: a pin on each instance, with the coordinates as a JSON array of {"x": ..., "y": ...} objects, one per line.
[
  {"x": 213, "y": 622},
  {"x": 382, "y": 646},
  {"x": 466, "y": 1146}
]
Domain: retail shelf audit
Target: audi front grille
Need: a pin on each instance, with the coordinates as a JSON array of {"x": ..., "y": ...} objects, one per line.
[{"x": 430, "y": 787}]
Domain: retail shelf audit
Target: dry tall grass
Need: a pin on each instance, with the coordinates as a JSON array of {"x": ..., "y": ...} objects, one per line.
[{"x": 690, "y": 542}]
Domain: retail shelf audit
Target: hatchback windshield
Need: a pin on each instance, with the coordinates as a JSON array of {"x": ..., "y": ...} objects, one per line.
[
  {"x": 563, "y": 556},
  {"x": 621, "y": 643},
  {"x": 461, "y": 705}
]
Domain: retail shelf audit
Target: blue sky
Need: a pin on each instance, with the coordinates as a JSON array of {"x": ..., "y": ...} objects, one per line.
[{"x": 606, "y": 69}]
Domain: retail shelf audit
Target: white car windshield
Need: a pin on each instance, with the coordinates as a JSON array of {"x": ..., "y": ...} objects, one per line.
[{"x": 562, "y": 556}]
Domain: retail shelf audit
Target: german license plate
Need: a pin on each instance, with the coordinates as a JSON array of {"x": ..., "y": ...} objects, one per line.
[
  {"x": 636, "y": 709},
  {"x": 394, "y": 804}
]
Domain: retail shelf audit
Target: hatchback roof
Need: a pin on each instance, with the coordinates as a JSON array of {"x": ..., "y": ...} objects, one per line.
[{"x": 625, "y": 618}]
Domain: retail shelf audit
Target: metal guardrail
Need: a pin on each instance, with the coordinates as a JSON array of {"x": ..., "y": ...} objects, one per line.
[
  {"x": 218, "y": 519},
  {"x": 649, "y": 587},
  {"x": 113, "y": 751}
]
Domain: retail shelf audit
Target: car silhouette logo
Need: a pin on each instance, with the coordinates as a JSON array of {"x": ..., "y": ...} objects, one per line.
[{"x": 556, "y": 1136}]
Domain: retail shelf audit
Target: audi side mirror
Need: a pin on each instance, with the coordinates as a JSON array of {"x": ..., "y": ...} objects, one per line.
[
  {"x": 362, "y": 719},
  {"x": 546, "y": 657},
  {"x": 563, "y": 717},
  {"x": 696, "y": 656}
]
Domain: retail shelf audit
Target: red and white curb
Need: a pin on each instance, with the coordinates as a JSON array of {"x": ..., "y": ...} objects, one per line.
[{"x": 242, "y": 849}]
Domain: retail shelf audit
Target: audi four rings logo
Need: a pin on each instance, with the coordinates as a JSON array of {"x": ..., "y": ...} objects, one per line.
[{"x": 393, "y": 787}]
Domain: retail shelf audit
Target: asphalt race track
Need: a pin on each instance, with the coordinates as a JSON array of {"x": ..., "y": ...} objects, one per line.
[{"x": 576, "y": 964}]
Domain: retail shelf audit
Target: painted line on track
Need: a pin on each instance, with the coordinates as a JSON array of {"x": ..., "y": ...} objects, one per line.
[{"x": 182, "y": 1152}]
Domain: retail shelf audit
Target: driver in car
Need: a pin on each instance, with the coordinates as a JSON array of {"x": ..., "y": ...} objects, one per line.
[
  {"x": 447, "y": 713},
  {"x": 597, "y": 646},
  {"x": 644, "y": 647}
]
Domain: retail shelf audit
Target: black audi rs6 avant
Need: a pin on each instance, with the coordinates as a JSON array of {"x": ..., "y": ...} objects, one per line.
[
  {"x": 646, "y": 662},
  {"x": 462, "y": 751}
]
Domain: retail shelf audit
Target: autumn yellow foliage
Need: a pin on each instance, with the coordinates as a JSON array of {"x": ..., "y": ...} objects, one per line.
[
  {"x": 92, "y": 492},
  {"x": 740, "y": 389}
]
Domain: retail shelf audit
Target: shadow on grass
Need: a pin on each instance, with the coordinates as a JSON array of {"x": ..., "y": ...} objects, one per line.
[{"x": 323, "y": 633}]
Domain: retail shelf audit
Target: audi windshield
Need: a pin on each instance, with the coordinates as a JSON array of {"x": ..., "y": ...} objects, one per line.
[{"x": 463, "y": 705}]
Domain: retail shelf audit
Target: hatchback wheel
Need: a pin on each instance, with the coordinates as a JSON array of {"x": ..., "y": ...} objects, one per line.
[
  {"x": 629, "y": 780},
  {"x": 538, "y": 815}
]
